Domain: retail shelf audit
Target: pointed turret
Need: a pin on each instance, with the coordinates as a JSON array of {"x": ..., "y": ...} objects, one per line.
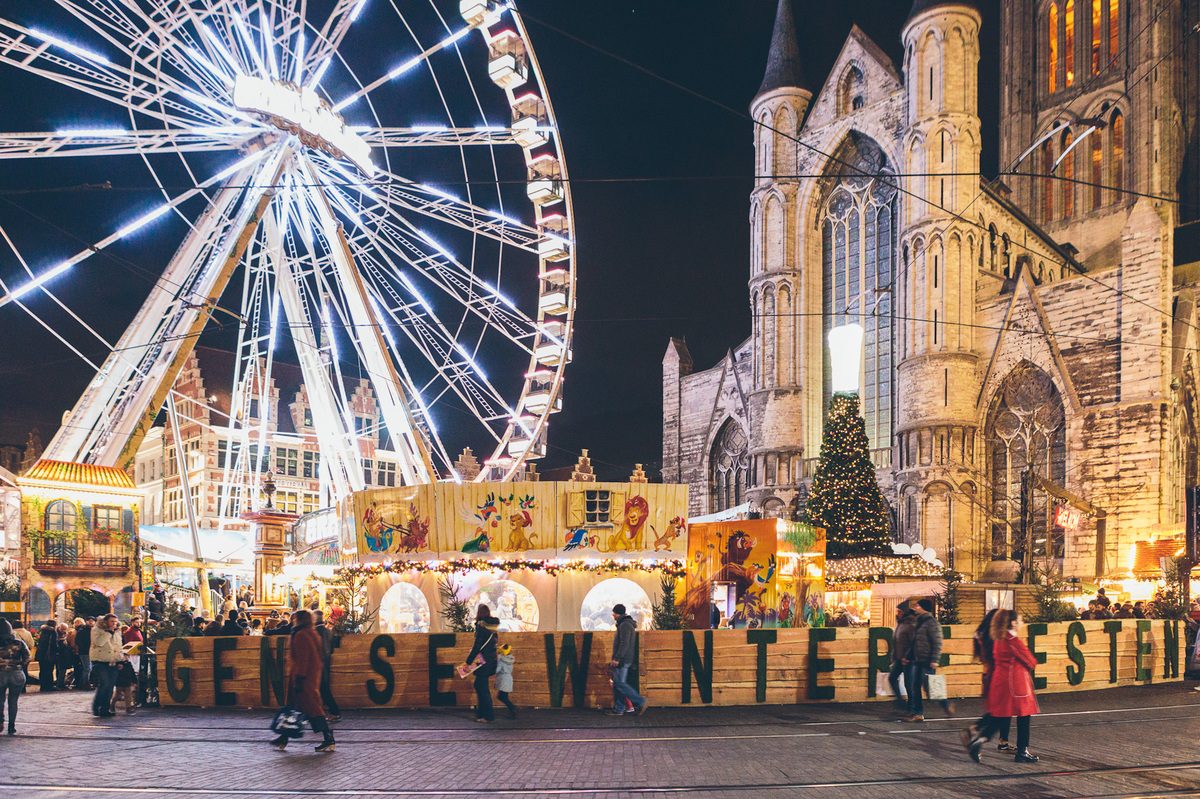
[
  {"x": 784, "y": 70},
  {"x": 921, "y": 6}
]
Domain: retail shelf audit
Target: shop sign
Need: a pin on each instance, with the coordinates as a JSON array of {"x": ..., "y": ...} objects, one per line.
[
  {"x": 12, "y": 607},
  {"x": 139, "y": 599},
  {"x": 1066, "y": 517}
]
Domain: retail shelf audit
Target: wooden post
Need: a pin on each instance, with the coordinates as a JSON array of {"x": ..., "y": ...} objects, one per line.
[{"x": 270, "y": 539}]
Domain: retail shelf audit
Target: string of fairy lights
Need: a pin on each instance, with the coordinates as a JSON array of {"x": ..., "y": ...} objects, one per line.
[{"x": 672, "y": 567}]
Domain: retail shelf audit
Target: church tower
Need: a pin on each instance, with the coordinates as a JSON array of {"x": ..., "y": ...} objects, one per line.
[
  {"x": 776, "y": 445},
  {"x": 938, "y": 372}
]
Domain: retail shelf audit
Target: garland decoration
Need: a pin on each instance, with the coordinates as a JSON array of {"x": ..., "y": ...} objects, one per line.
[
  {"x": 672, "y": 567},
  {"x": 873, "y": 568}
]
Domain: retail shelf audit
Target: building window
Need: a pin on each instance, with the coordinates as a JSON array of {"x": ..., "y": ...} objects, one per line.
[
  {"x": 1116, "y": 132},
  {"x": 308, "y": 422},
  {"x": 730, "y": 467},
  {"x": 387, "y": 474},
  {"x": 364, "y": 425},
  {"x": 1025, "y": 430},
  {"x": 1069, "y": 43},
  {"x": 309, "y": 502},
  {"x": 1047, "y": 182},
  {"x": 106, "y": 517},
  {"x": 1097, "y": 34},
  {"x": 61, "y": 515},
  {"x": 368, "y": 471},
  {"x": 853, "y": 90},
  {"x": 1068, "y": 174},
  {"x": 1052, "y": 62},
  {"x": 287, "y": 501},
  {"x": 286, "y": 461},
  {"x": 858, "y": 261},
  {"x": 597, "y": 507},
  {"x": 1114, "y": 28},
  {"x": 312, "y": 464}
]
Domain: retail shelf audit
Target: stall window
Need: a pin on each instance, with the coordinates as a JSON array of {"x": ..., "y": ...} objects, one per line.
[
  {"x": 404, "y": 609},
  {"x": 597, "y": 507},
  {"x": 596, "y": 612},
  {"x": 510, "y": 602}
]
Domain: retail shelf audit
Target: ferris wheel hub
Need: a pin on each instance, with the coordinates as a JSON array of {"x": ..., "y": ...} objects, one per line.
[{"x": 301, "y": 111}]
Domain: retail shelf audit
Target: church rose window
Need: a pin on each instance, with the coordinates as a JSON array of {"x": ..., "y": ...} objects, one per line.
[
  {"x": 730, "y": 469},
  {"x": 858, "y": 261},
  {"x": 1025, "y": 431}
]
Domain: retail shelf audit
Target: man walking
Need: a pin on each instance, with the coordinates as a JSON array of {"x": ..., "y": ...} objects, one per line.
[
  {"x": 624, "y": 646},
  {"x": 902, "y": 639},
  {"x": 332, "y": 711},
  {"x": 106, "y": 660},
  {"x": 925, "y": 653},
  {"x": 83, "y": 643}
]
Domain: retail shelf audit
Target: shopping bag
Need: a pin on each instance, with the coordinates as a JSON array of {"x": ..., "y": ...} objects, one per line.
[
  {"x": 288, "y": 722},
  {"x": 935, "y": 686},
  {"x": 883, "y": 686}
]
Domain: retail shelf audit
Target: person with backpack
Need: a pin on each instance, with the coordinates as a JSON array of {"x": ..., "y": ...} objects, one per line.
[
  {"x": 924, "y": 654},
  {"x": 624, "y": 647},
  {"x": 14, "y": 659}
]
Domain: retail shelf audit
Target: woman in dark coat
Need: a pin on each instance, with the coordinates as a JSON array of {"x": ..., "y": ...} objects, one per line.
[
  {"x": 1010, "y": 688},
  {"x": 47, "y": 655},
  {"x": 304, "y": 666},
  {"x": 486, "y": 628}
]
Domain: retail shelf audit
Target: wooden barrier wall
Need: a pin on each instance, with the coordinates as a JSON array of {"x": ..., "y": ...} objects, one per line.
[{"x": 722, "y": 667}]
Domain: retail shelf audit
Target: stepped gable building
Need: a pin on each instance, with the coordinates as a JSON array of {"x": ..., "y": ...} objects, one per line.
[{"x": 1045, "y": 320}]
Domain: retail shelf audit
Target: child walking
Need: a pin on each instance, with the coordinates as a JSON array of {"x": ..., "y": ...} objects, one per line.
[{"x": 504, "y": 678}]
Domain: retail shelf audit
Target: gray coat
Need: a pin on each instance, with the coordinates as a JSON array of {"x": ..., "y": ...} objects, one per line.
[
  {"x": 624, "y": 641},
  {"x": 927, "y": 640}
]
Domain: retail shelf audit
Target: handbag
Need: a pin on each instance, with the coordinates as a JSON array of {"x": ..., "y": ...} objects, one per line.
[
  {"x": 288, "y": 722},
  {"x": 465, "y": 670},
  {"x": 935, "y": 686},
  {"x": 883, "y": 686}
]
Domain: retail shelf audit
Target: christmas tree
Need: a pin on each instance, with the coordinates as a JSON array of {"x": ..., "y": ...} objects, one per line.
[{"x": 845, "y": 497}]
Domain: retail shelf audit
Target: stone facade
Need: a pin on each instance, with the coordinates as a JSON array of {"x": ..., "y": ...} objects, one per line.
[{"x": 1035, "y": 323}]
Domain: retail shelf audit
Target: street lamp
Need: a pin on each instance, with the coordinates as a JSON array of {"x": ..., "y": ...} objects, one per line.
[{"x": 845, "y": 358}]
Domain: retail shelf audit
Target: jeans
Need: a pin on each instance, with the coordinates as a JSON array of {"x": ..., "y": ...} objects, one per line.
[
  {"x": 914, "y": 680},
  {"x": 483, "y": 692},
  {"x": 622, "y": 690},
  {"x": 12, "y": 683},
  {"x": 894, "y": 673},
  {"x": 106, "y": 681},
  {"x": 331, "y": 705},
  {"x": 83, "y": 673}
]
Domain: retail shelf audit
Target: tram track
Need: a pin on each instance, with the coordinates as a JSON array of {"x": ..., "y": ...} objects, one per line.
[{"x": 991, "y": 778}]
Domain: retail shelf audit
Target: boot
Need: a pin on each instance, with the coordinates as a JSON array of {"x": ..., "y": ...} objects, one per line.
[
  {"x": 280, "y": 743},
  {"x": 1025, "y": 756},
  {"x": 328, "y": 744}
]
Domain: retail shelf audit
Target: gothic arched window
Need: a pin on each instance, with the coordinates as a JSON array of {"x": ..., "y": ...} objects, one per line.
[
  {"x": 1069, "y": 43},
  {"x": 729, "y": 467},
  {"x": 1068, "y": 175},
  {"x": 1047, "y": 181},
  {"x": 853, "y": 90},
  {"x": 858, "y": 236},
  {"x": 1025, "y": 431},
  {"x": 1116, "y": 152},
  {"x": 1052, "y": 48}
]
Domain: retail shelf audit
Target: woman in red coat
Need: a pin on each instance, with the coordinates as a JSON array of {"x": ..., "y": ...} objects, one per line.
[
  {"x": 1010, "y": 689},
  {"x": 304, "y": 666}
]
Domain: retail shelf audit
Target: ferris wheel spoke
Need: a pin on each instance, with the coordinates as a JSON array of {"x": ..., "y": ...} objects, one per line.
[
  {"x": 329, "y": 38},
  {"x": 243, "y": 166},
  {"x": 91, "y": 72},
  {"x": 454, "y": 362},
  {"x": 435, "y": 136},
  {"x": 116, "y": 141},
  {"x": 435, "y": 263},
  {"x": 403, "y": 67}
]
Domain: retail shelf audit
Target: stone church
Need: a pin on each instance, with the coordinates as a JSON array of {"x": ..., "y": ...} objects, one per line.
[{"x": 1042, "y": 325}]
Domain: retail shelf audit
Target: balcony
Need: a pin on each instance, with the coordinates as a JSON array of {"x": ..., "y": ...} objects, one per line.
[{"x": 82, "y": 554}]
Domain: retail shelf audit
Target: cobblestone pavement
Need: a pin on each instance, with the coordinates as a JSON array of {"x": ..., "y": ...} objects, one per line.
[{"x": 1141, "y": 742}]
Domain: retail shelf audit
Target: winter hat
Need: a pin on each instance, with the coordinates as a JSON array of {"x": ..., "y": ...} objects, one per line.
[{"x": 504, "y": 649}]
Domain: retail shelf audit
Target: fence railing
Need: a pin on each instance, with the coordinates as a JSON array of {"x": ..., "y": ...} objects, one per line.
[{"x": 82, "y": 554}]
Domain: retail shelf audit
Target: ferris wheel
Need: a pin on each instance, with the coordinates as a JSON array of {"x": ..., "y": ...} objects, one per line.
[{"x": 380, "y": 184}]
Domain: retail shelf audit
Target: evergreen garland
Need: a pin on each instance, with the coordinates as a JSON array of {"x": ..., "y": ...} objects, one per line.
[{"x": 845, "y": 497}]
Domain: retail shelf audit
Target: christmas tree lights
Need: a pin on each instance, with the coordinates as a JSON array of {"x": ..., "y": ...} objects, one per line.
[{"x": 845, "y": 497}]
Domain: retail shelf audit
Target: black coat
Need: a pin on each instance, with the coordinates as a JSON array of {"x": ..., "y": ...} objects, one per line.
[
  {"x": 47, "y": 646},
  {"x": 485, "y": 641}
]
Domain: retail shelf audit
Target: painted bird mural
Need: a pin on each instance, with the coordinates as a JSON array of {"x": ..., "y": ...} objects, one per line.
[{"x": 579, "y": 538}]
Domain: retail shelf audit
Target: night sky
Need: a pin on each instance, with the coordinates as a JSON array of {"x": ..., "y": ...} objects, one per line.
[{"x": 661, "y": 183}]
